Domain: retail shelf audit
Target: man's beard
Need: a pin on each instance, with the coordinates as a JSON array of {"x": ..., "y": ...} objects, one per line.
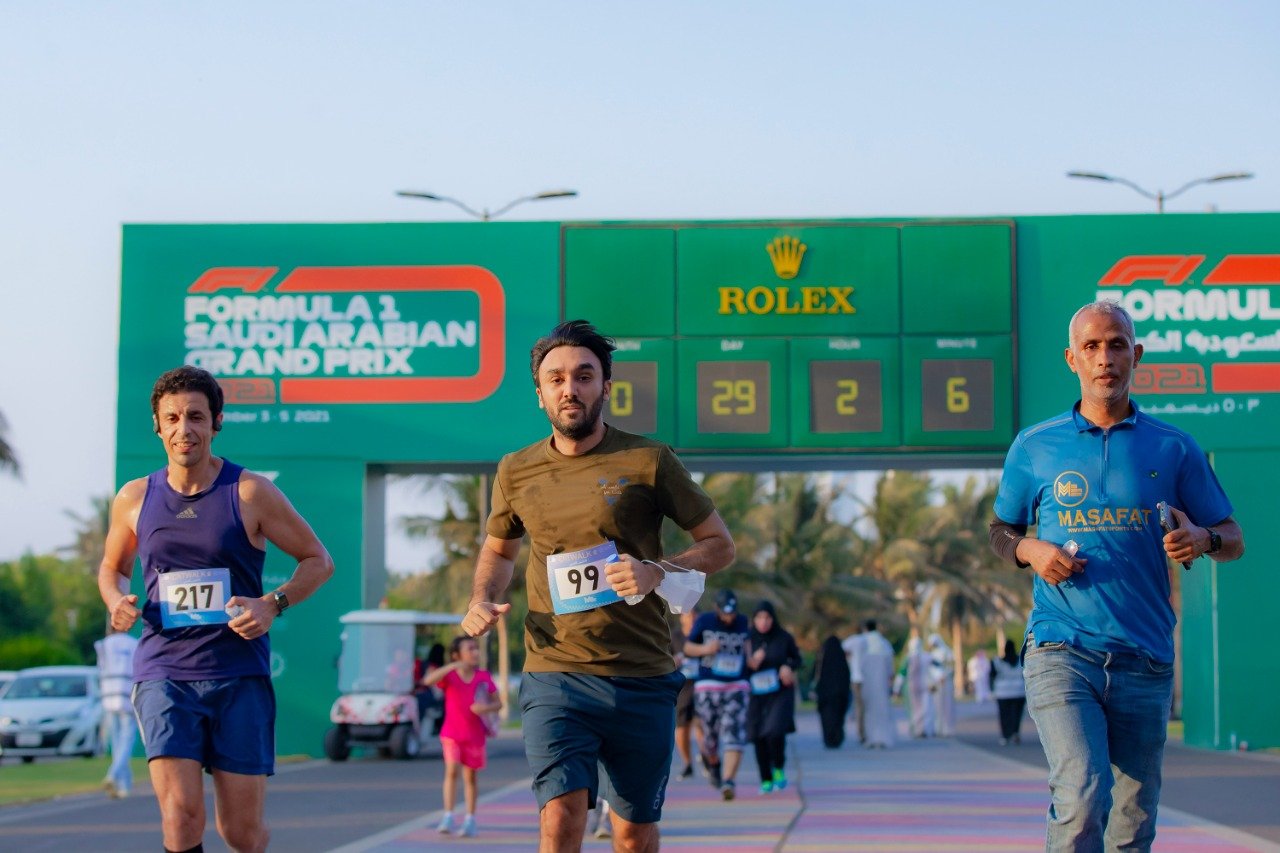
[{"x": 581, "y": 429}]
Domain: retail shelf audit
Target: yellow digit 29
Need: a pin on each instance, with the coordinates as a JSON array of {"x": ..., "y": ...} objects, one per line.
[
  {"x": 845, "y": 400},
  {"x": 733, "y": 397},
  {"x": 957, "y": 397},
  {"x": 623, "y": 401}
]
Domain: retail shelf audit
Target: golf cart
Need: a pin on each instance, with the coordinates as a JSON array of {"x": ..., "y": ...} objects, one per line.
[{"x": 377, "y": 707}]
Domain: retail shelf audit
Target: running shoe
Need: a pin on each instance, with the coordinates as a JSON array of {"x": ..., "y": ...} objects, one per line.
[
  {"x": 766, "y": 787},
  {"x": 727, "y": 790},
  {"x": 779, "y": 778},
  {"x": 468, "y": 829},
  {"x": 687, "y": 771},
  {"x": 446, "y": 824}
]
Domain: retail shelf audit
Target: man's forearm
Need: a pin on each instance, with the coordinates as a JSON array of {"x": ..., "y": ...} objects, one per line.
[
  {"x": 708, "y": 555},
  {"x": 307, "y": 578},
  {"x": 493, "y": 576}
]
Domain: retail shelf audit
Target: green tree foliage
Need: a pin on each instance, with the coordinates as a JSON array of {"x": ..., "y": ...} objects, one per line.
[
  {"x": 52, "y": 611},
  {"x": 8, "y": 456}
]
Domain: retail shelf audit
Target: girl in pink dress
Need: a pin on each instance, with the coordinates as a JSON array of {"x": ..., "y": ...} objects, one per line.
[{"x": 471, "y": 705}]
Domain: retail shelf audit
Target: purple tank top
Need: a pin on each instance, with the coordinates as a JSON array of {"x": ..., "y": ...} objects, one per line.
[{"x": 198, "y": 531}]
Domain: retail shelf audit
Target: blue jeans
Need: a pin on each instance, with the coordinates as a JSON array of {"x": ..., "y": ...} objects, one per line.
[
  {"x": 1102, "y": 719},
  {"x": 122, "y": 727}
]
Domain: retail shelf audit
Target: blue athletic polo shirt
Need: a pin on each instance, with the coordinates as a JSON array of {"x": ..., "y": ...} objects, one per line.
[{"x": 1100, "y": 487}]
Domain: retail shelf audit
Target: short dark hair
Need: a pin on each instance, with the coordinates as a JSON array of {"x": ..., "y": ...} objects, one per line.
[
  {"x": 869, "y": 625},
  {"x": 455, "y": 645},
  {"x": 573, "y": 333},
  {"x": 184, "y": 379}
]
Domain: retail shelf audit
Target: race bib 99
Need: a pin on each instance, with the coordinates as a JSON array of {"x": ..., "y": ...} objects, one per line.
[
  {"x": 194, "y": 597},
  {"x": 577, "y": 579}
]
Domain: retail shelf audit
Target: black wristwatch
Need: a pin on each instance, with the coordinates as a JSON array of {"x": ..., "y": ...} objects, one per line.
[
  {"x": 282, "y": 602},
  {"x": 1215, "y": 541}
]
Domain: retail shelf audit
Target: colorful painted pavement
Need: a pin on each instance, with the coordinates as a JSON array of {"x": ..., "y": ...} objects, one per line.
[{"x": 923, "y": 796}]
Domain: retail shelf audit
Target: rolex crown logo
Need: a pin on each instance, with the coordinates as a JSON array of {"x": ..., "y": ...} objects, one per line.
[{"x": 786, "y": 253}]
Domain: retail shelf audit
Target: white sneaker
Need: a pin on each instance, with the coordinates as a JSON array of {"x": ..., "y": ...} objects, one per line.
[
  {"x": 446, "y": 824},
  {"x": 468, "y": 829}
]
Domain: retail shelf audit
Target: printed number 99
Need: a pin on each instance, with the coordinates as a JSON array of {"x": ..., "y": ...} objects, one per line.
[
  {"x": 576, "y": 577},
  {"x": 622, "y": 403},
  {"x": 957, "y": 397},
  {"x": 741, "y": 393}
]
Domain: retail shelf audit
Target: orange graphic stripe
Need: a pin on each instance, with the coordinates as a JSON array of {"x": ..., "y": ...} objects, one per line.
[
  {"x": 1246, "y": 269},
  {"x": 1171, "y": 269},
  {"x": 1246, "y": 378},
  {"x": 404, "y": 389},
  {"x": 248, "y": 279}
]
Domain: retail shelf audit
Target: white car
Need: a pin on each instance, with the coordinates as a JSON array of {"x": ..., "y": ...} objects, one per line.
[
  {"x": 51, "y": 710},
  {"x": 6, "y": 678}
]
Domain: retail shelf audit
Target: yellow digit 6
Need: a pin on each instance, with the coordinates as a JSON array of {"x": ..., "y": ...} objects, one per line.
[
  {"x": 720, "y": 402},
  {"x": 745, "y": 391},
  {"x": 844, "y": 402},
  {"x": 622, "y": 403},
  {"x": 957, "y": 397}
]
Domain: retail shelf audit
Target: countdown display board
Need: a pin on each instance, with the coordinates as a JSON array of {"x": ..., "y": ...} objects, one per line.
[{"x": 804, "y": 337}]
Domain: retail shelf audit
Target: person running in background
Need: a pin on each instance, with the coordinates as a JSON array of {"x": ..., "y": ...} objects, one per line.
[
  {"x": 773, "y": 661},
  {"x": 831, "y": 687},
  {"x": 1010, "y": 692},
  {"x": 719, "y": 639},
  {"x": 469, "y": 696},
  {"x": 686, "y": 720},
  {"x": 115, "y": 674}
]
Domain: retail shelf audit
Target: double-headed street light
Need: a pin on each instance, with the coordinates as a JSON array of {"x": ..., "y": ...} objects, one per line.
[
  {"x": 484, "y": 214},
  {"x": 1160, "y": 196}
]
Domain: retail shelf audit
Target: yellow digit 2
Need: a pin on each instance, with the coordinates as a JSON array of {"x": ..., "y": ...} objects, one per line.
[
  {"x": 844, "y": 402},
  {"x": 957, "y": 397},
  {"x": 622, "y": 403},
  {"x": 745, "y": 392},
  {"x": 720, "y": 401}
]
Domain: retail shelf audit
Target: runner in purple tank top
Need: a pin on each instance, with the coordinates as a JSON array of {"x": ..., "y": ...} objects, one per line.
[{"x": 202, "y": 680}]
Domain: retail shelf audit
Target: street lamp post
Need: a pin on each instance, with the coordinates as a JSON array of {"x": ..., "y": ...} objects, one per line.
[
  {"x": 1160, "y": 196},
  {"x": 484, "y": 214}
]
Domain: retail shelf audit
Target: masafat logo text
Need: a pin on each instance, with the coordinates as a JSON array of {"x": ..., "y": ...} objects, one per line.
[
  {"x": 338, "y": 334},
  {"x": 1070, "y": 490},
  {"x": 786, "y": 254}
]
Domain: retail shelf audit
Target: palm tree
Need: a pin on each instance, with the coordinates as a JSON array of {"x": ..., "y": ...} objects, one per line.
[
  {"x": 814, "y": 575},
  {"x": 8, "y": 457},
  {"x": 91, "y": 532}
]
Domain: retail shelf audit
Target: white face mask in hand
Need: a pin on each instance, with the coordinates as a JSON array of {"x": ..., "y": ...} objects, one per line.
[{"x": 680, "y": 587}]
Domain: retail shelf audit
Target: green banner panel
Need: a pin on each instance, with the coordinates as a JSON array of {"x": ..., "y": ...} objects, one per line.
[
  {"x": 643, "y": 399},
  {"x": 956, "y": 392},
  {"x": 621, "y": 279},
  {"x": 381, "y": 337},
  {"x": 782, "y": 280},
  {"x": 733, "y": 393},
  {"x": 846, "y": 393},
  {"x": 957, "y": 279}
]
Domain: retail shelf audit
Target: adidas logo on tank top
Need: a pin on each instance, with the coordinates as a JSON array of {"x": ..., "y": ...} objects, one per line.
[{"x": 187, "y": 513}]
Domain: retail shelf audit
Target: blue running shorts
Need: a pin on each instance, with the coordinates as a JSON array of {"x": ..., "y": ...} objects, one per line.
[
  {"x": 572, "y": 721},
  {"x": 225, "y": 724}
]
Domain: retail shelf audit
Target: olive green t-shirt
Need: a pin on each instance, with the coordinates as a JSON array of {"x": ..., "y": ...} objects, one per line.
[{"x": 619, "y": 490}]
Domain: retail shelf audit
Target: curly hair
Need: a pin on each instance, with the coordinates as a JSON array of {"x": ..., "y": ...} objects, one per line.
[
  {"x": 184, "y": 379},
  {"x": 573, "y": 333}
]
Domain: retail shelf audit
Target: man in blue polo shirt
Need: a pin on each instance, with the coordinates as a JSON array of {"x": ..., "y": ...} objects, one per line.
[{"x": 1099, "y": 645}]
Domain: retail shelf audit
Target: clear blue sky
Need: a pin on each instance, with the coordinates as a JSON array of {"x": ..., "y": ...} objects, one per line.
[{"x": 114, "y": 112}]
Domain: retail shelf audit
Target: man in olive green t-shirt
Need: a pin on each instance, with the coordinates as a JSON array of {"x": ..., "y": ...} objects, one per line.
[{"x": 600, "y": 680}]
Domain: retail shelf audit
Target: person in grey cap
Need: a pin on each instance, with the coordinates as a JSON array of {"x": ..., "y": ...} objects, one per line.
[{"x": 720, "y": 694}]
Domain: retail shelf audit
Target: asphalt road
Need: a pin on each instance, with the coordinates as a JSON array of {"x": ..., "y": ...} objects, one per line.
[
  {"x": 1240, "y": 790},
  {"x": 311, "y": 806}
]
